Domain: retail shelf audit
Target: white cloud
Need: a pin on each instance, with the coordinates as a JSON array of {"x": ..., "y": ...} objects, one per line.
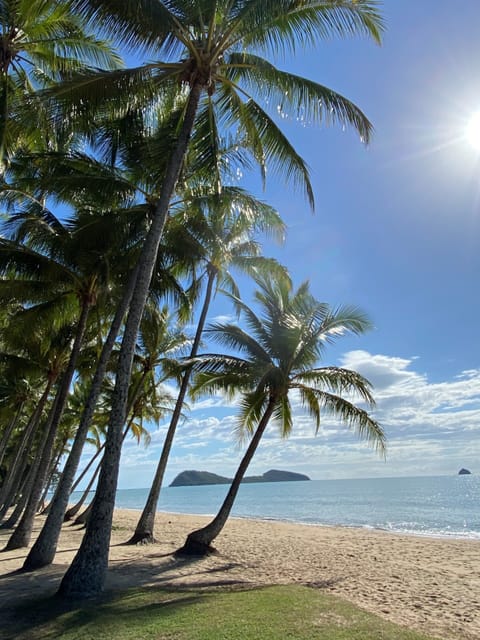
[{"x": 431, "y": 427}]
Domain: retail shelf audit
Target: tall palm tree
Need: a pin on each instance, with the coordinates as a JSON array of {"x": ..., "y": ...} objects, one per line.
[
  {"x": 207, "y": 47},
  {"x": 277, "y": 357},
  {"x": 222, "y": 225}
]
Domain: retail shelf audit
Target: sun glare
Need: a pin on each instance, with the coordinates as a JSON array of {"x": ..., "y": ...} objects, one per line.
[{"x": 472, "y": 132}]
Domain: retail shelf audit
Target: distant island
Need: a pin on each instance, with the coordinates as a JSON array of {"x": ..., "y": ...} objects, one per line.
[
  {"x": 193, "y": 478},
  {"x": 464, "y": 472}
]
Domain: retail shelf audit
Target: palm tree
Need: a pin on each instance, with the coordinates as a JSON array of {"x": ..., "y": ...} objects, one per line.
[
  {"x": 32, "y": 349},
  {"x": 40, "y": 42},
  {"x": 221, "y": 226},
  {"x": 207, "y": 48},
  {"x": 278, "y": 356},
  {"x": 82, "y": 179},
  {"x": 157, "y": 342},
  {"x": 72, "y": 265}
]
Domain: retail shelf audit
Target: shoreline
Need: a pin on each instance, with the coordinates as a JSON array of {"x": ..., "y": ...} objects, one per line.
[
  {"x": 473, "y": 537},
  {"x": 429, "y": 584}
]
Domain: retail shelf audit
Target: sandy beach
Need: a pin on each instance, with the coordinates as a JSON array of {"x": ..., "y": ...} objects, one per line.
[{"x": 432, "y": 585}]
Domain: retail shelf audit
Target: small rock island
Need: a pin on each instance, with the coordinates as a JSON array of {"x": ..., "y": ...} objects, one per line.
[
  {"x": 193, "y": 478},
  {"x": 464, "y": 472}
]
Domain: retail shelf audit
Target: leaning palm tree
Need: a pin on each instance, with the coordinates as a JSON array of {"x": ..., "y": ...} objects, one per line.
[
  {"x": 64, "y": 268},
  {"x": 32, "y": 348},
  {"x": 78, "y": 177},
  {"x": 212, "y": 48},
  {"x": 279, "y": 356},
  {"x": 222, "y": 226}
]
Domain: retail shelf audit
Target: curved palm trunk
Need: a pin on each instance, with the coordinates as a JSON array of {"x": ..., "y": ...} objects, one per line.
[
  {"x": 22, "y": 534},
  {"x": 69, "y": 515},
  {"x": 88, "y": 488},
  {"x": 87, "y": 573},
  {"x": 146, "y": 523},
  {"x": 72, "y": 512},
  {"x": 9, "y": 430},
  {"x": 85, "y": 515},
  {"x": 199, "y": 542},
  {"x": 43, "y": 551},
  {"x": 53, "y": 466},
  {"x": 13, "y": 479}
]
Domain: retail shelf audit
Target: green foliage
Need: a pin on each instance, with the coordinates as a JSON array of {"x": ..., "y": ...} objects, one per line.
[
  {"x": 218, "y": 47},
  {"x": 40, "y": 42},
  {"x": 278, "y": 352},
  {"x": 287, "y": 612}
]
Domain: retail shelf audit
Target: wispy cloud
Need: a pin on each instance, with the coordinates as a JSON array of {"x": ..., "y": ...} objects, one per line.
[{"x": 432, "y": 428}]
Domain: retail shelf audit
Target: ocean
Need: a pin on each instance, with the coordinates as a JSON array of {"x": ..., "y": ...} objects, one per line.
[{"x": 442, "y": 506}]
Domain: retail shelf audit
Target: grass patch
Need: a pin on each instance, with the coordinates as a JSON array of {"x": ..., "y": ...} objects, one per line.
[{"x": 269, "y": 613}]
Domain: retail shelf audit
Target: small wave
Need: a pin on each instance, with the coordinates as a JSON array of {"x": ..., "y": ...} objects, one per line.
[{"x": 460, "y": 534}]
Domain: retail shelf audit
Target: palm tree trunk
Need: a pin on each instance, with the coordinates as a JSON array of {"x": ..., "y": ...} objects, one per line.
[
  {"x": 22, "y": 534},
  {"x": 146, "y": 523},
  {"x": 85, "y": 515},
  {"x": 19, "y": 497},
  {"x": 88, "y": 489},
  {"x": 13, "y": 478},
  {"x": 23, "y": 480},
  {"x": 87, "y": 573},
  {"x": 43, "y": 551},
  {"x": 53, "y": 467},
  {"x": 198, "y": 542},
  {"x": 72, "y": 511},
  {"x": 9, "y": 430},
  {"x": 69, "y": 515},
  {"x": 24, "y": 485}
]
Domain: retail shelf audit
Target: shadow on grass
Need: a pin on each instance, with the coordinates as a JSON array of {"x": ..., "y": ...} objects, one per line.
[
  {"x": 186, "y": 613},
  {"x": 49, "y": 617},
  {"x": 30, "y": 605}
]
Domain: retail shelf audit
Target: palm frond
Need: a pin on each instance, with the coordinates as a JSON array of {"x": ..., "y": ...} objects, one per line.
[
  {"x": 252, "y": 407},
  {"x": 296, "y": 97},
  {"x": 288, "y": 24},
  {"x": 338, "y": 381}
]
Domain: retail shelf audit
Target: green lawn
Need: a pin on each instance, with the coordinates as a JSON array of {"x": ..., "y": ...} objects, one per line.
[{"x": 272, "y": 613}]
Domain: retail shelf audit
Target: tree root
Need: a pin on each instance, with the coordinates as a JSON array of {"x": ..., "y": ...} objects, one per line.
[
  {"x": 141, "y": 538},
  {"x": 195, "y": 548}
]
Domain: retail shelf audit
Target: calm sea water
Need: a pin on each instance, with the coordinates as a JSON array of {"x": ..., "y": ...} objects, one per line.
[{"x": 433, "y": 506}]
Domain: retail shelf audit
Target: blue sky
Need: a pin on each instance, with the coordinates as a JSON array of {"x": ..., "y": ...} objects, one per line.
[{"x": 397, "y": 232}]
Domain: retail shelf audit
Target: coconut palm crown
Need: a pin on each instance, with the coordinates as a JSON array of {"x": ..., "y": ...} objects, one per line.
[
  {"x": 279, "y": 353},
  {"x": 40, "y": 42},
  {"x": 213, "y": 51}
]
